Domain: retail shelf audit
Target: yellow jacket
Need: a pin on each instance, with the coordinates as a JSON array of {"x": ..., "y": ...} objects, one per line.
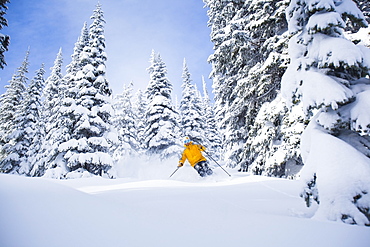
[{"x": 193, "y": 154}]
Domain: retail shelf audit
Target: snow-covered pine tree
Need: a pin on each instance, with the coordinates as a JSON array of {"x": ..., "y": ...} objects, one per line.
[
  {"x": 266, "y": 132},
  {"x": 265, "y": 25},
  {"x": 74, "y": 66},
  {"x": 331, "y": 74},
  {"x": 294, "y": 123},
  {"x": 52, "y": 91},
  {"x": 4, "y": 39},
  {"x": 212, "y": 133},
  {"x": 90, "y": 110},
  {"x": 162, "y": 128},
  {"x": 62, "y": 94},
  {"x": 275, "y": 148},
  {"x": 246, "y": 64},
  {"x": 10, "y": 103},
  {"x": 268, "y": 151},
  {"x": 228, "y": 62},
  {"x": 260, "y": 29},
  {"x": 26, "y": 137},
  {"x": 37, "y": 124},
  {"x": 191, "y": 110},
  {"x": 199, "y": 107},
  {"x": 125, "y": 124},
  {"x": 139, "y": 107},
  {"x": 48, "y": 157}
]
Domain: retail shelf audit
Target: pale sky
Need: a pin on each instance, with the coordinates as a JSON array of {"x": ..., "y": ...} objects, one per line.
[{"x": 177, "y": 29}]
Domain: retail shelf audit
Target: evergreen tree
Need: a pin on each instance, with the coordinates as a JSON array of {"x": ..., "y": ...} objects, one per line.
[
  {"x": 125, "y": 124},
  {"x": 38, "y": 123},
  {"x": 4, "y": 39},
  {"x": 48, "y": 157},
  {"x": 277, "y": 153},
  {"x": 10, "y": 103},
  {"x": 62, "y": 94},
  {"x": 33, "y": 125},
  {"x": 74, "y": 66},
  {"x": 227, "y": 62},
  {"x": 161, "y": 133},
  {"x": 275, "y": 148},
  {"x": 265, "y": 24},
  {"x": 53, "y": 87},
  {"x": 27, "y": 132},
  {"x": 263, "y": 150},
  {"x": 266, "y": 41},
  {"x": 139, "y": 107},
  {"x": 191, "y": 110},
  {"x": 247, "y": 64},
  {"x": 329, "y": 74},
  {"x": 212, "y": 134},
  {"x": 91, "y": 134}
]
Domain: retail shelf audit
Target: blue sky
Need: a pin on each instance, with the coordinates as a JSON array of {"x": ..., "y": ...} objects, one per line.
[{"x": 177, "y": 29}]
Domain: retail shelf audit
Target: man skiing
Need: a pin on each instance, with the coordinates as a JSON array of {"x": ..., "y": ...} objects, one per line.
[{"x": 193, "y": 154}]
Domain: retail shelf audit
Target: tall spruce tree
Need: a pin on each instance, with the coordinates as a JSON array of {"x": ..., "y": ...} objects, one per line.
[
  {"x": 125, "y": 124},
  {"x": 74, "y": 66},
  {"x": 275, "y": 148},
  {"x": 61, "y": 94},
  {"x": 212, "y": 134},
  {"x": 191, "y": 110},
  {"x": 266, "y": 152},
  {"x": 162, "y": 128},
  {"x": 227, "y": 62},
  {"x": 37, "y": 123},
  {"x": 264, "y": 27},
  {"x": 246, "y": 65},
  {"x": 48, "y": 157},
  {"x": 88, "y": 148},
  {"x": 53, "y": 89},
  {"x": 139, "y": 107},
  {"x": 4, "y": 39},
  {"x": 10, "y": 102},
  {"x": 27, "y": 132},
  {"x": 329, "y": 74}
]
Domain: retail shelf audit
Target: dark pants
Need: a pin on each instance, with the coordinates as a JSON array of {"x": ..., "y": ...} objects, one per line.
[{"x": 203, "y": 169}]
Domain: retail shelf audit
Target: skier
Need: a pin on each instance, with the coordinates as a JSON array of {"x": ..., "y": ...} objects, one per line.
[{"x": 193, "y": 154}]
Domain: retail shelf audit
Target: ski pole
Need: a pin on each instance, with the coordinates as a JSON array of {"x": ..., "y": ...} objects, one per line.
[
  {"x": 175, "y": 171},
  {"x": 216, "y": 162}
]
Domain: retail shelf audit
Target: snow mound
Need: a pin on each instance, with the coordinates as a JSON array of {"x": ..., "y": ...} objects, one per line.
[{"x": 95, "y": 212}]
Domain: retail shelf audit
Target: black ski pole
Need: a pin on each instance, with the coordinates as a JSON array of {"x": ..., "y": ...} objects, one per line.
[
  {"x": 175, "y": 171},
  {"x": 216, "y": 162}
]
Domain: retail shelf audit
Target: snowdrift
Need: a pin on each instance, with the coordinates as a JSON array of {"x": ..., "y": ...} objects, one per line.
[{"x": 181, "y": 211}]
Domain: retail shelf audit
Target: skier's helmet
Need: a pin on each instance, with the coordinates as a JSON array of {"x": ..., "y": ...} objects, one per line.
[{"x": 186, "y": 140}]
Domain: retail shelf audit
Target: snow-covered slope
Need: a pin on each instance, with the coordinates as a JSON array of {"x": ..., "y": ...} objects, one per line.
[{"x": 216, "y": 211}]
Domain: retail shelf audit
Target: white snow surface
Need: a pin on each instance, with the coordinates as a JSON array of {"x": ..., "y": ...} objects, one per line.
[{"x": 147, "y": 208}]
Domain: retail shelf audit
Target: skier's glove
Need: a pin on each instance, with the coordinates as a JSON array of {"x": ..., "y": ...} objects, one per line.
[{"x": 180, "y": 165}]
